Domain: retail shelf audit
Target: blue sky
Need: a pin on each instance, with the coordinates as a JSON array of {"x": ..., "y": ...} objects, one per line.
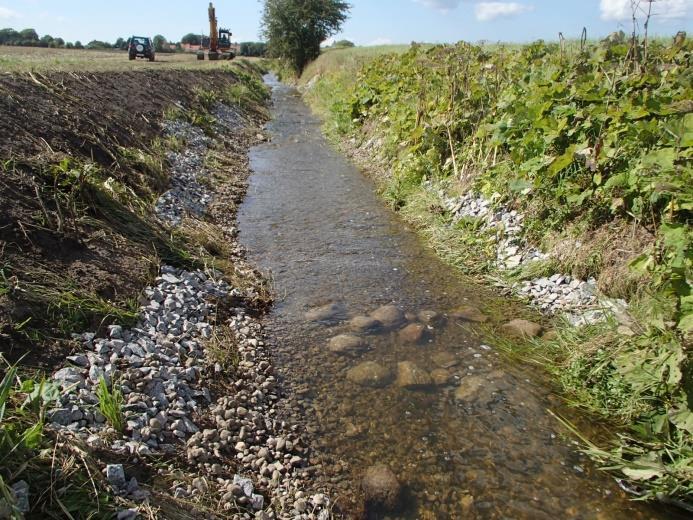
[{"x": 371, "y": 21}]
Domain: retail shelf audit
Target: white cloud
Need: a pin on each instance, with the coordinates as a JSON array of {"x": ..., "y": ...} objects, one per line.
[
  {"x": 8, "y": 14},
  {"x": 440, "y": 5},
  {"x": 487, "y": 11},
  {"x": 620, "y": 10}
]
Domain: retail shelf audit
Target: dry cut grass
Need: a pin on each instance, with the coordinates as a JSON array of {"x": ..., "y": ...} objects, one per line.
[{"x": 29, "y": 59}]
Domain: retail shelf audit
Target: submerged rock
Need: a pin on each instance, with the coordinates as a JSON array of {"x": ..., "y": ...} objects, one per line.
[
  {"x": 445, "y": 359},
  {"x": 469, "y": 313},
  {"x": 329, "y": 312},
  {"x": 469, "y": 387},
  {"x": 346, "y": 344},
  {"x": 390, "y": 316},
  {"x": 381, "y": 488},
  {"x": 365, "y": 324},
  {"x": 440, "y": 376},
  {"x": 522, "y": 329},
  {"x": 370, "y": 374},
  {"x": 412, "y": 377},
  {"x": 432, "y": 318},
  {"x": 412, "y": 333}
]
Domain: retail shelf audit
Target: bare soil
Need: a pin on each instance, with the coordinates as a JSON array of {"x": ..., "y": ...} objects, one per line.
[{"x": 69, "y": 253}]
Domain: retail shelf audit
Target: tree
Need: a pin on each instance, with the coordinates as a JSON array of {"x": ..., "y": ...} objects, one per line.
[
  {"x": 119, "y": 44},
  {"x": 343, "y": 43},
  {"x": 9, "y": 37},
  {"x": 160, "y": 43},
  {"x": 78, "y": 45},
  {"x": 46, "y": 41},
  {"x": 257, "y": 49},
  {"x": 191, "y": 39},
  {"x": 294, "y": 29},
  {"x": 97, "y": 44},
  {"x": 29, "y": 35},
  {"x": 59, "y": 43}
]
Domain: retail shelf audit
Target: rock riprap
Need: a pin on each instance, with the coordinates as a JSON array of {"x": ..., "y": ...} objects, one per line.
[
  {"x": 187, "y": 195},
  {"x": 370, "y": 374}
]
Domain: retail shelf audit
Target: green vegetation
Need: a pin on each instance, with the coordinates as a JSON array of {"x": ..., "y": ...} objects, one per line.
[
  {"x": 592, "y": 143},
  {"x": 110, "y": 404},
  {"x": 295, "y": 28},
  {"x": 60, "y": 475}
]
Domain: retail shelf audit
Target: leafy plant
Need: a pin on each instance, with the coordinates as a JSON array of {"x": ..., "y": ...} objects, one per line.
[{"x": 111, "y": 404}]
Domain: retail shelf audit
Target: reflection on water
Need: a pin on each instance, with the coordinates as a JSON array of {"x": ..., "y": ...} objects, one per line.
[{"x": 464, "y": 430}]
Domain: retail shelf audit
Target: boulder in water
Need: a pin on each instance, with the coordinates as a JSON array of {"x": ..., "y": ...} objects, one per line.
[
  {"x": 412, "y": 377},
  {"x": 370, "y": 374},
  {"x": 390, "y": 316},
  {"x": 381, "y": 488}
]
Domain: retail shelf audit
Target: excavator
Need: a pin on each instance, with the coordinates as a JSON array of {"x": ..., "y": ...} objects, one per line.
[{"x": 218, "y": 44}]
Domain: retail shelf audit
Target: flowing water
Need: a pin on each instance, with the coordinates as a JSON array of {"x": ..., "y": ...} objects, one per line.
[{"x": 313, "y": 220}]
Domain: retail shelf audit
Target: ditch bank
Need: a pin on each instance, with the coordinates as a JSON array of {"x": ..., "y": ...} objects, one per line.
[
  {"x": 549, "y": 213},
  {"x": 137, "y": 381}
]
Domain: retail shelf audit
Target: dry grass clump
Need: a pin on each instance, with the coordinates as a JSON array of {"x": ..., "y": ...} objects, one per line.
[{"x": 604, "y": 253}]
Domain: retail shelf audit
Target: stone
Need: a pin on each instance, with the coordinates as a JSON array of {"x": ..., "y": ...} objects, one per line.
[
  {"x": 390, "y": 316},
  {"x": 445, "y": 359},
  {"x": 364, "y": 325},
  {"x": 432, "y": 318},
  {"x": 127, "y": 514},
  {"x": 440, "y": 376},
  {"x": 327, "y": 313},
  {"x": 469, "y": 313},
  {"x": 370, "y": 374},
  {"x": 412, "y": 377},
  {"x": 245, "y": 484},
  {"x": 115, "y": 475},
  {"x": 347, "y": 344},
  {"x": 521, "y": 329},
  {"x": 412, "y": 333},
  {"x": 20, "y": 490},
  {"x": 469, "y": 387},
  {"x": 381, "y": 489},
  {"x": 257, "y": 502}
]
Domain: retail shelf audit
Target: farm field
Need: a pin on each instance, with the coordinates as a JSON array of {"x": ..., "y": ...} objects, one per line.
[{"x": 27, "y": 59}]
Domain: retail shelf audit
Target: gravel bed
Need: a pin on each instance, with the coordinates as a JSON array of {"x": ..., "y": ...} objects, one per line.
[{"x": 186, "y": 195}]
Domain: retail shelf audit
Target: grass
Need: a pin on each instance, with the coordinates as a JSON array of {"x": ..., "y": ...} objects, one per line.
[
  {"x": 111, "y": 404},
  {"x": 30, "y": 59}
]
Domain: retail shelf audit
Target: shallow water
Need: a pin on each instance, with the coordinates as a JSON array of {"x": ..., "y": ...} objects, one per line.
[{"x": 313, "y": 220}]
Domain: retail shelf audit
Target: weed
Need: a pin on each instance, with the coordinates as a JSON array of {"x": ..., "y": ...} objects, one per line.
[{"x": 111, "y": 404}]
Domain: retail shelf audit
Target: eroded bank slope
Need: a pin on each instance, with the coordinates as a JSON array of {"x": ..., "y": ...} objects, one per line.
[{"x": 136, "y": 377}]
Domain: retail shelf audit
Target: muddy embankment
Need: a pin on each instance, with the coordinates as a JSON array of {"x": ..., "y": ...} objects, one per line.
[{"x": 136, "y": 378}]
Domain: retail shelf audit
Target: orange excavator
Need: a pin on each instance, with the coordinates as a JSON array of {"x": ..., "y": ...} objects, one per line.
[{"x": 218, "y": 44}]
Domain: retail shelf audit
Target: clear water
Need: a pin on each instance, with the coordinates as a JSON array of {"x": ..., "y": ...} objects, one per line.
[{"x": 313, "y": 221}]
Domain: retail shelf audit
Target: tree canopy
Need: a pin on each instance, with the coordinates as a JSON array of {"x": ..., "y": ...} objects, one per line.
[
  {"x": 191, "y": 39},
  {"x": 294, "y": 29}
]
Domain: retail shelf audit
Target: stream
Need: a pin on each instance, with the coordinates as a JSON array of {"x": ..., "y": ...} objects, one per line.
[{"x": 314, "y": 221}]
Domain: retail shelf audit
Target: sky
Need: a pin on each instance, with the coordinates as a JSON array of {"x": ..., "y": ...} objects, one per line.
[{"x": 371, "y": 22}]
